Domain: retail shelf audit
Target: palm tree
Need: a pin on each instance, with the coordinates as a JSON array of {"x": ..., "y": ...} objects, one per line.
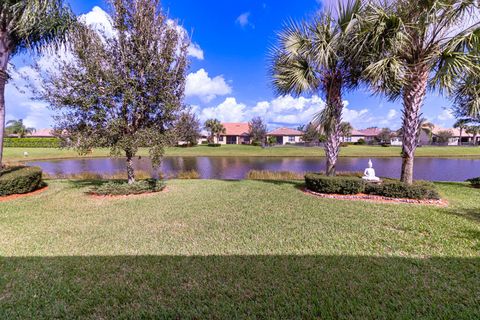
[
  {"x": 428, "y": 127},
  {"x": 474, "y": 131},
  {"x": 407, "y": 46},
  {"x": 461, "y": 124},
  {"x": 310, "y": 58},
  {"x": 346, "y": 130},
  {"x": 28, "y": 25},
  {"x": 17, "y": 127},
  {"x": 215, "y": 128}
]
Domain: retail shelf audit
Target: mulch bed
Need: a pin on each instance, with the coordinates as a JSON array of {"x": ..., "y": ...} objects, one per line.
[
  {"x": 126, "y": 196},
  {"x": 377, "y": 199},
  {"x": 23, "y": 195}
]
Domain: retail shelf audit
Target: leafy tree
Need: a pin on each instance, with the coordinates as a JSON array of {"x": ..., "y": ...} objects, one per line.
[
  {"x": 346, "y": 130},
  {"x": 187, "y": 128},
  {"x": 257, "y": 130},
  {"x": 310, "y": 133},
  {"x": 407, "y": 46},
  {"x": 311, "y": 58},
  {"x": 474, "y": 130},
  {"x": 384, "y": 136},
  {"x": 28, "y": 25},
  {"x": 122, "y": 92},
  {"x": 272, "y": 140},
  {"x": 427, "y": 127},
  {"x": 461, "y": 124},
  {"x": 444, "y": 136},
  {"x": 17, "y": 127},
  {"x": 215, "y": 129}
]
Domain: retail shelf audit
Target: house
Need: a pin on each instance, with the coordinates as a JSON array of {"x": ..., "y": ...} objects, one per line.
[
  {"x": 455, "y": 140},
  {"x": 368, "y": 135},
  {"x": 235, "y": 133},
  {"x": 286, "y": 136},
  {"x": 41, "y": 133},
  {"x": 355, "y": 135}
]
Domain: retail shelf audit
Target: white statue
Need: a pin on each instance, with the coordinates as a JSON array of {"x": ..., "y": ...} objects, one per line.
[
  {"x": 369, "y": 173},
  {"x": 25, "y": 154}
]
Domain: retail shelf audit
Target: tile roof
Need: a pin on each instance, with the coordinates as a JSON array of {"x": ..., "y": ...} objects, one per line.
[
  {"x": 236, "y": 128},
  {"x": 42, "y": 133},
  {"x": 285, "y": 132}
]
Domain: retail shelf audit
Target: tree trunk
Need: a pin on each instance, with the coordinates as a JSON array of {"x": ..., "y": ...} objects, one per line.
[
  {"x": 4, "y": 57},
  {"x": 332, "y": 145},
  {"x": 3, "y": 80},
  {"x": 413, "y": 97},
  {"x": 130, "y": 170},
  {"x": 460, "y": 140}
]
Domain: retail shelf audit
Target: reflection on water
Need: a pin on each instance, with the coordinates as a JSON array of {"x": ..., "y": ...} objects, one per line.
[{"x": 237, "y": 167}]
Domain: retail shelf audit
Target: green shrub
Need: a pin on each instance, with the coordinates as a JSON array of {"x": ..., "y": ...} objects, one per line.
[
  {"x": 475, "y": 182},
  {"x": 190, "y": 174},
  {"x": 396, "y": 189},
  {"x": 386, "y": 144},
  {"x": 19, "y": 180},
  {"x": 204, "y": 142},
  {"x": 339, "y": 185},
  {"x": 256, "y": 143},
  {"x": 122, "y": 188},
  {"x": 31, "y": 142},
  {"x": 344, "y": 144},
  {"x": 360, "y": 142},
  {"x": 215, "y": 145}
]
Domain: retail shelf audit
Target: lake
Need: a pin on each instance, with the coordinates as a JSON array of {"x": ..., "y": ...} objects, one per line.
[{"x": 434, "y": 169}]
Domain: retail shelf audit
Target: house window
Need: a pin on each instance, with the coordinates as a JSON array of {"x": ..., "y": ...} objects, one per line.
[
  {"x": 220, "y": 139},
  {"x": 291, "y": 138},
  {"x": 348, "y": 139}
]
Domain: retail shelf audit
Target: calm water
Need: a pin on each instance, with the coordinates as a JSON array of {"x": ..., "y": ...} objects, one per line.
[{"x": 237, "y": 167}]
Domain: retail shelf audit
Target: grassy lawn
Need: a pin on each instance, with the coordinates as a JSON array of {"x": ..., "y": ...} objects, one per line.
[
  {"x": 16, "y": 154},
  {"x": 228, "y": 249}
]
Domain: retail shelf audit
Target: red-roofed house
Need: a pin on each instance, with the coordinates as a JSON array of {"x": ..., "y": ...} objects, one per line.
[
  {"x": 286, "y": 135},
  {"x": 235, "y": 133},
  {"x": 42, "y": 133}
]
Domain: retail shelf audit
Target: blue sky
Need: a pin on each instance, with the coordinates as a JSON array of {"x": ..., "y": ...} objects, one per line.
[{"x": 228, "y": 76}]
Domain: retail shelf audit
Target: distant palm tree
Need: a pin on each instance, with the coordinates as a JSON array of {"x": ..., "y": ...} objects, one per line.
[
  {"x": 407, "y": 46},
  {"x": 17, "y": 127},
  {"x": 310, "y": 58},
  {"x": 461, "y": 124},
  {"x": 428, "y": 127},
  {"x": 28, "y": 24},
  {"x": 474, "y": 131},
  {"x": 346, "y": 130},
  {"x": 215, "y": 128}
]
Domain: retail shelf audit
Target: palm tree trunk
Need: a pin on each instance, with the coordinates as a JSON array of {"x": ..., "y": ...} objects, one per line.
[
  {"x": 130, "y": 170},
  {"x": 413, "y": 97},
  {"x": 332, "y": 145},
  {"x": 460, "y": 140},
  {"x": 3, "y": 80},
  {"x": 4, "y": 57}
]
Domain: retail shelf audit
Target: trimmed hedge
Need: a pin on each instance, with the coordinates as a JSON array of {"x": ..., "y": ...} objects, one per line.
[
  {"x": 396, "y": 189},
  {"x": 215, "y": 145},
  {"x": 31, "y": 142},
  {"x": 339, "y": 185},
  {"x": 122, "y": 188},
  {"x": 355, "y": 185},
  {"x": 475, "y": 182},
  {"x": 19, "y": 180}
]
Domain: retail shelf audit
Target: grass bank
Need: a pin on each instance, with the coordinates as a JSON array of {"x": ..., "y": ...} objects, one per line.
[
  {"x": 228, "y": 249},
  {"x": 17, "y": 154}
]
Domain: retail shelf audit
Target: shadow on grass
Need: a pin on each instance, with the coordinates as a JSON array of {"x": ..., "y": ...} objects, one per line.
[{"x": 225, "y": 287}]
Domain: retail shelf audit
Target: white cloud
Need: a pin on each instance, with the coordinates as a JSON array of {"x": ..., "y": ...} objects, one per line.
[
  {"x": 227, "y": 111},
  {"x": 200, "y": 85},
  {"x": 244, "y": 20},
  {"x": 195, "y": 51},
  {"x": 445, "y": 115}
]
